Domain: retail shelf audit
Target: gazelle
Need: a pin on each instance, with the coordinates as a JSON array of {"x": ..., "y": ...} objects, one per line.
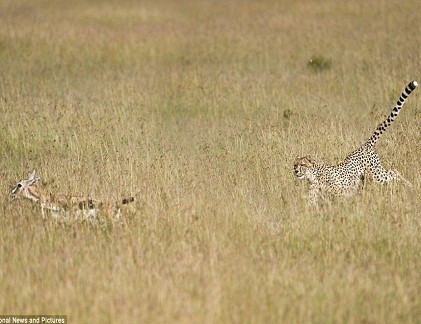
[{"x": 64, "y": 205}]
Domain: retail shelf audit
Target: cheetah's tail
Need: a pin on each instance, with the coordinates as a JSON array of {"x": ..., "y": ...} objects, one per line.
[{"x": 395, "y": 111}]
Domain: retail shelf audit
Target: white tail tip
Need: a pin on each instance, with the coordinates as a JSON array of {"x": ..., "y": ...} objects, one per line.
[{"x": 415, "y": 83}]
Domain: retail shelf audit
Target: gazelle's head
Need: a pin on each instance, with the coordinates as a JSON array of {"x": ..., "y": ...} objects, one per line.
[
  {"x": 302, "y": 165},
  {"x": 22, "y": 188}
]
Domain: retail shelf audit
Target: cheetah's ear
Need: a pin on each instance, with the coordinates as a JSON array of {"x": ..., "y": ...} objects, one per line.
[{"x": 310, "y": 158}]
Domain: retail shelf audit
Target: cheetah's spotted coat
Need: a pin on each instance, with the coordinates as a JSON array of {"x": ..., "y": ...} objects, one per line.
[{"x": 347, "y": 177}]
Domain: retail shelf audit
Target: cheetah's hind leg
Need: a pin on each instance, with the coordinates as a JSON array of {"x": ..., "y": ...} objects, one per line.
[
  {"x": 397, "y": 176},
  {"x": 386, "y": 176}
]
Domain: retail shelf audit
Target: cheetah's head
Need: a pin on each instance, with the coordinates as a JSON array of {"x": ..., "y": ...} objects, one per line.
[{"x": 301, "y": 165}]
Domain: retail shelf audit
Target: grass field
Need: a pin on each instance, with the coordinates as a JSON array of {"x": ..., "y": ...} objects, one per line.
[{"x": 200, "y": 108}]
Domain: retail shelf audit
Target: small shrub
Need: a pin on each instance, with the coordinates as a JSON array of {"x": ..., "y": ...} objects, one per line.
[
  {"x": 319, "y": 63},
  {"x": 287, "y": 113}
]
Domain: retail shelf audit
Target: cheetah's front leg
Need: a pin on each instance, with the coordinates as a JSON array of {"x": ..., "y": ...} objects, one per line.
[{"x": 315, "y": 194}]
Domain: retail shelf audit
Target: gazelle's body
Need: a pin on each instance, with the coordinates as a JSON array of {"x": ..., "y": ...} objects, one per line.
[{"x": 64, "y": 205}]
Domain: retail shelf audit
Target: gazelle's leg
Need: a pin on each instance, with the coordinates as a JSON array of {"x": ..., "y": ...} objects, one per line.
[
  {"x": 43, "y": 211},
  {"x": 117, "y": 215}
]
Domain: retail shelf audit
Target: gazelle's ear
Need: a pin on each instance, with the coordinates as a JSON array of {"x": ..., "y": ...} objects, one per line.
[{"x": 32, "y": 176}]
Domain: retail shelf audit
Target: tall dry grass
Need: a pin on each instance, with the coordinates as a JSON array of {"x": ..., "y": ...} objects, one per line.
[{"x": 200, "y": 108}]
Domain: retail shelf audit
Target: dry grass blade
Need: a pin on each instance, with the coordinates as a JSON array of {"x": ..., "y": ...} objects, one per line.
[{"x": 201, "y": 108}]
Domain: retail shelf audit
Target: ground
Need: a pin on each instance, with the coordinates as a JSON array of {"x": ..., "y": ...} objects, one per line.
[{"x": 200, "y": 109}]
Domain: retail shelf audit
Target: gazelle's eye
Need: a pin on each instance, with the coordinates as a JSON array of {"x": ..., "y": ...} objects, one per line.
[{"x": 19, "y": 185}]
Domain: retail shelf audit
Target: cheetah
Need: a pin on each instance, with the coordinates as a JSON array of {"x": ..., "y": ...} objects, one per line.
[
  {"x": 60, "y": 206},
  {"x": 347, "y": 177}
]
